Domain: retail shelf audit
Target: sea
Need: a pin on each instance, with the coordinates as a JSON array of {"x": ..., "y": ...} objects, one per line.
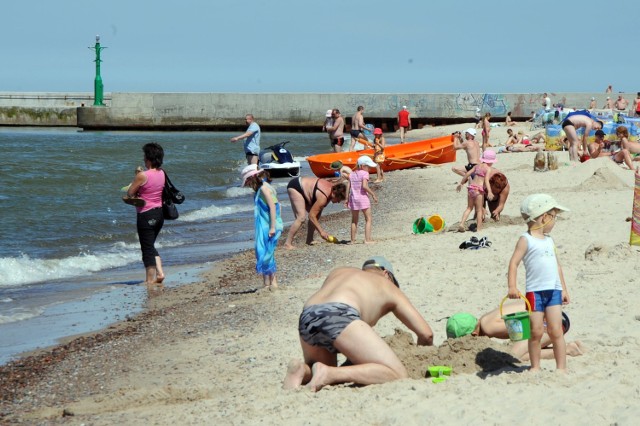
[{"x": 70, "y": 261}]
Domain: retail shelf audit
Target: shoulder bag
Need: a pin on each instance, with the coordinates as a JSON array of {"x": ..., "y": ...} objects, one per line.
[{"x": 170, "y": 197}]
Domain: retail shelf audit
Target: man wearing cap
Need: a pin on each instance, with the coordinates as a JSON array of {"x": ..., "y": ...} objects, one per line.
[
  {"x": 592, "y": 104},
  {"x": 491, "y": 324},
  {"x": 608, "y": 104},
  {"x": 328, "y": 121},
  {"x": 602, "y": 148},
  {"x": 404, "y": 122},
  {"x": 252, "y": 140},
  {"x": 339, "y": 318},
  {"x": 470, "y": 146}
]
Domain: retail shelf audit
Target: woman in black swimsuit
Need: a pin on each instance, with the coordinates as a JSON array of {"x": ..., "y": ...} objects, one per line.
[{"x": 312, "y": 195}]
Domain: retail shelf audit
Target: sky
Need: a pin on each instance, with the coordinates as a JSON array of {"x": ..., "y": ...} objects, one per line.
[{"x": 329, "y": 46}]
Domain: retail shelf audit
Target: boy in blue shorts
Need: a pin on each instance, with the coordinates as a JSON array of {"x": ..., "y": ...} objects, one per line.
[{"x": 546, "y": 290}]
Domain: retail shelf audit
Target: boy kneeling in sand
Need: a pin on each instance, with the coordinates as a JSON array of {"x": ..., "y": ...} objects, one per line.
[{"x": 339, "y": 318}]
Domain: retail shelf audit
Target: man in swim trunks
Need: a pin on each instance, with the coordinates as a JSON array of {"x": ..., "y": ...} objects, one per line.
[
  {"x": 470, "y": 146},
  {"x": 311, "y": 195},
  {"x": 339, "y": 318},
  {"x": 357, "y": 127},
  {"x": 491, "y": 324},
  {"x": 573, "y": 122},
  {"x": 336, "y": 131}
]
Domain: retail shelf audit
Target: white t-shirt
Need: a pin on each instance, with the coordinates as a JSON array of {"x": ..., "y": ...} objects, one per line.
[
  {"x": 547, "y": 103},
  {"x": 541, "y": 264}
]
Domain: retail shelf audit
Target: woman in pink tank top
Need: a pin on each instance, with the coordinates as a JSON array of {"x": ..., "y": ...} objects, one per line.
[{"x": 148, "y": 186}]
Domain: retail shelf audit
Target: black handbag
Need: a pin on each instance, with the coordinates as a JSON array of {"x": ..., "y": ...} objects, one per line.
[{"x": 170, "y": 197}]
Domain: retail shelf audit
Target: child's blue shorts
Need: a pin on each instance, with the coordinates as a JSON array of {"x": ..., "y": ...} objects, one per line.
[{"x": 540, "y": 300}]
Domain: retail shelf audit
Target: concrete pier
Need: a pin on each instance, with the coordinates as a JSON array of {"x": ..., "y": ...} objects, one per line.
[{"x": 274, "y": 111}]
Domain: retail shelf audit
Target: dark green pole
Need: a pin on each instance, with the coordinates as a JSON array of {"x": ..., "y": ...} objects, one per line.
[{"x": 98, "y": 88}]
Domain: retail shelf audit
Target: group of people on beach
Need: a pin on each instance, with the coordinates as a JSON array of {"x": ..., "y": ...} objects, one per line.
[{"x": 340, "y": 316}]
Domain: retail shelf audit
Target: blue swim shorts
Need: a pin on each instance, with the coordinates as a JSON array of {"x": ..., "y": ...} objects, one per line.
[{"x": 540, "y": 300}]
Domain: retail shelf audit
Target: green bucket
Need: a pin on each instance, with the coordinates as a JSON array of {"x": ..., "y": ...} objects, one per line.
[
  {"x": 518, "y": 324},
  {"x": 422, "y": 225}
]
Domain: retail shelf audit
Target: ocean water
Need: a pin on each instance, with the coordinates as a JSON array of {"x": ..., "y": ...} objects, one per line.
[{"x": 69, "y": 254}]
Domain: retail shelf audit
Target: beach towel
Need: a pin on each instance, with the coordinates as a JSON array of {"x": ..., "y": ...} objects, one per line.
[
  {"x": 265, "y": 245},
  {"x": 634, "y": 239}
]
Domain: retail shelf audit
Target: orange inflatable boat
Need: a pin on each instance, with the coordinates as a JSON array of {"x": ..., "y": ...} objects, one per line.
[{"x": 402, "y": 156}]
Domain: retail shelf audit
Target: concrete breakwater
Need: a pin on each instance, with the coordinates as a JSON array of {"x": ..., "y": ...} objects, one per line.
[{"x": 277, "y": 111}]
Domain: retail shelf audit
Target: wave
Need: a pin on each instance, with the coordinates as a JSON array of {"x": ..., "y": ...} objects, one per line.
[
  {"x": 211, "y": 212},
  {"x": 21, "y": 316},
  {"x": 26, "y": 270}
]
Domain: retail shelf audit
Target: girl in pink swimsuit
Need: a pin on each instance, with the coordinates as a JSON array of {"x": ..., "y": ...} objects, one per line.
[
  {"x": 479, "y": 175},
  {"x": 359, "y": 191}
]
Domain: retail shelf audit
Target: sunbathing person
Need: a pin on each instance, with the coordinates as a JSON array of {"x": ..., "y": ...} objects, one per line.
[
  {"x": 623, "y": 135},
  {"x": 602, "y": 148},
  {"x": 491, "y": 324}
]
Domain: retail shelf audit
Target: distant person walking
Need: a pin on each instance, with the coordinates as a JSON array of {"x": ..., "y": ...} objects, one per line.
[
  {"x": 404, "y": 123},
  {"x": 336, "y": 130},
  {"x": 486, "y": 131},
  {"x": 357, "y": 127},
  {"x": 251, "y": 140}
]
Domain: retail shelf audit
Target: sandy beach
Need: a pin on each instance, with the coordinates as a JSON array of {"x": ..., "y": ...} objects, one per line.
[{"x": 216, "y": 352}]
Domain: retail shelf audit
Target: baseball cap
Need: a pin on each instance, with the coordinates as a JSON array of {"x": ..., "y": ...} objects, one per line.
[
  {"x": 365, "y": 161},
  {"x": 535, "y": 205},
  {"x": 461, "y": 324},
  {"x": 382, "y": 263},
  {"x": 377, "y": 131},
  {"x": 249, "y": 171},
  {"x": 593, "y": 99},
  {"x": 404, "y": 107},
  {"x": 328, "y": 114},
  {"x": 599, "y": 133},
  {"x": 471, "y": 131}
]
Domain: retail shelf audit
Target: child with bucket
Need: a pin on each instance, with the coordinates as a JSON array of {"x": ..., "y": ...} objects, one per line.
[
  {"x": 358, "y": 199},
  {"x": 546, "y": 290},
  {"x": 479, "y": 175}
]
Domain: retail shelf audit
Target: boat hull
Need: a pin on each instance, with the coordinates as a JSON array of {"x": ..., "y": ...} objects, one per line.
[
  {"x": 402, "y": 156},
  {"x": 278, "y": 170}
]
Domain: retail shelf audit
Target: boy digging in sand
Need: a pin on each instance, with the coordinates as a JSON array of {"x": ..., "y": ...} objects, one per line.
[
  {"x": 339, "y": 318},
  {"x": 546, "y": 290}
]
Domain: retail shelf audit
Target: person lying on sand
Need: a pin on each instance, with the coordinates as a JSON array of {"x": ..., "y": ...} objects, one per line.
[
  {"x": 491, "y": 324},
  {"x": 339, "y": 318}
]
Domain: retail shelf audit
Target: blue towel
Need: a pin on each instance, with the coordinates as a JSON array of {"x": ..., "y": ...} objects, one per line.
[{"x": 265, "y": 245}]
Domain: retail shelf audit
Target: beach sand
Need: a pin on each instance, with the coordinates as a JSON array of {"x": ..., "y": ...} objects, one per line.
[{"x": 216, "y": 352}]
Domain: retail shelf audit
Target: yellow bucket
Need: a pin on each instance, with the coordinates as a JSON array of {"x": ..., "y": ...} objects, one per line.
[
  {"x": 518, "y": 323},
  {"x": 437, "y": 222}
]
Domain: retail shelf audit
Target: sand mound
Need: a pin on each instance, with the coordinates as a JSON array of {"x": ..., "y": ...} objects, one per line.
[
  {"x": 598, "y": 250},
  {"x": 602, "y": 178},
  {"x": 467, "y": 355}
]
